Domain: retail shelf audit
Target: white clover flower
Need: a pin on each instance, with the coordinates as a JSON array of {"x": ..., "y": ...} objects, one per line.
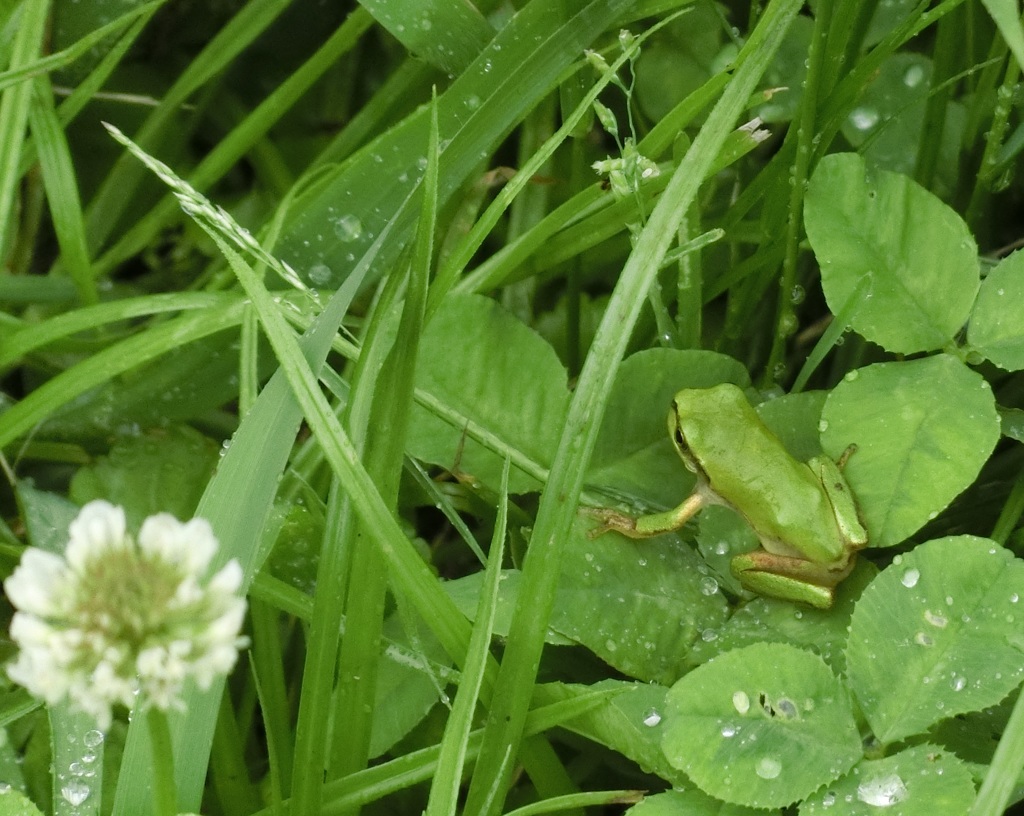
[{"x": 116, "y": 620}]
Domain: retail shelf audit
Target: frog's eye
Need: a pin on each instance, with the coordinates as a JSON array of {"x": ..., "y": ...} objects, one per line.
[{"x": 681, "y": 440}]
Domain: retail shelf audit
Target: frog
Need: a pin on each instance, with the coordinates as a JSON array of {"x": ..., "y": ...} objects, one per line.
[{"x": 804, "y": 514}]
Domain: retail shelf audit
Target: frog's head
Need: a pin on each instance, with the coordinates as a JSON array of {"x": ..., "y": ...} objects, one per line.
[{"x": 678, "y": 437}]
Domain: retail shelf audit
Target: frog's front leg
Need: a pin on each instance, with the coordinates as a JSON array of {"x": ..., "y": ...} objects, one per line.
[
  {"x": 790, "y": 578},
  {"x": 647, "y": 526}
]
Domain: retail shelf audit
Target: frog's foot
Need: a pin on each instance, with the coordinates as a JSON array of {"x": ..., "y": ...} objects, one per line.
[{"x": 610, "y": 520}]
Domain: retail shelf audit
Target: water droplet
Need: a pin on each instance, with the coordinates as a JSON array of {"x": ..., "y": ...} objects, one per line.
[
  {"x": 797, "y": 295},
  {"x": 786, "y": 708},
  {"x": 652, "y": 718},
  {"x": 768, "y": 767},
  {"x": 709, "y": 635},
  {"x": 910, "y": 578},
  {"x": 729, "y": 731},
  {"x": 92, "y": 739},
  {"x": 75, "y": 793},
  {"x": 348, "y": 228},
  {"x": 913, "y": 76},
  {"x": 882, "y": 791},
  {"x": 828, "y": 799},
  {"x": 611, "y": 645},
  {"x": 864, "y": 118},
  {"x": 473, "y": 102},
  {"x": 320, "y": 275},
  {"x": 850, "y": 376},
  {"x": 741, "y": 702},
  {"x": 957, "y": 682},
  {"x": 822, "y": 425},
  {"x": 936, "y": 619},
  {"x": 921, "y": 639},
  {"x": 708, "y": 586}
]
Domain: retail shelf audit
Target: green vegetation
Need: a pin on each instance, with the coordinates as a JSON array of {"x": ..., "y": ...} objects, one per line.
[{"x": 343, "y": 281}]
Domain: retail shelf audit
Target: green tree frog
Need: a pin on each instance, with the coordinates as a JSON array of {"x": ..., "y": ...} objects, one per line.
[{"x": 803, "y": 513}]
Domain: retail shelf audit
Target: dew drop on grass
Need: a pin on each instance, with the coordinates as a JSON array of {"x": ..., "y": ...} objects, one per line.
[
  {"x": 348, "y": 228},
  {"x": 75, "y": 792},
  {"x": 864, "y": 118},
  {"x": 910, "y": 578},
  {"x": 768, "y": 767},
  {"x": 320, "y": 275},
  {"x": 882, "y": 791},
  {"x": 913, "y": 76}
]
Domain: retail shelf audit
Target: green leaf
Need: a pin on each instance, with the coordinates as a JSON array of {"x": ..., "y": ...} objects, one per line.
[
  {"x": 928, "y": 641},
  {"x": 634, "y": 456},
  {"x": 762, "y": 726},
  {"x": 638, "y": 605},
  {"x": 501, "y": 382},
  {"x": 921, "y": 781},
  {"x": 162, "y": 471},
  {"x": 13, "y": 803},
  {"x": 917, "y": 255},
  {"x": 923, "y": 429},
  {"x": 996, "y": 329}
]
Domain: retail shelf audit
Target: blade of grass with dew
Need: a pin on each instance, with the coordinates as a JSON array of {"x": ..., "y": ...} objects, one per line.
[
  {"x": 444, "y": 791},
  {"x": 446, "y": 35},
  {"x": 379, "y": 422},
  {"x": 103, "y": 366},
  {"x": 14, "y": 107},
  {"x": 61, "y": 186},
  {"x": 559, "y": 500},
  {"x": 71, "y": 738},
  {"x": 519, "y": 67}
]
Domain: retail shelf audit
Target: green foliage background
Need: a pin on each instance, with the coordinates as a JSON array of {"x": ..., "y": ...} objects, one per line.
[{"x": 346, "y": 284}]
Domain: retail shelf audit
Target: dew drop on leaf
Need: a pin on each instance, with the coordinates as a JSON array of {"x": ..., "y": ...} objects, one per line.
[
  {"x": 652, "y": 718},
  {"x": 882, "y": 791},
  {"x": 768, "y": 767},
  {"x": 910, "y": 578},
  {"x": 936, "y": 619}
]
